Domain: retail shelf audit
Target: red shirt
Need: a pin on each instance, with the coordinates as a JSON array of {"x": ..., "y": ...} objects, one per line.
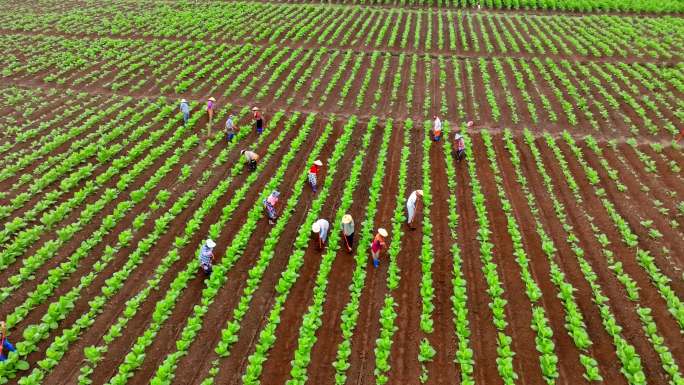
[{"x": 314, "y": 169}]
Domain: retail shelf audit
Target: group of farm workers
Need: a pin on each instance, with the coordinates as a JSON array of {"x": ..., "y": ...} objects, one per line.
[
  {"x": 321, "y": 227},
  {"x": 458, "y": 138}
]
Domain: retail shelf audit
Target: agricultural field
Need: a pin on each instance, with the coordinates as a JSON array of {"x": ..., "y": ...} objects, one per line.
[{"x": 553, "y": 254}]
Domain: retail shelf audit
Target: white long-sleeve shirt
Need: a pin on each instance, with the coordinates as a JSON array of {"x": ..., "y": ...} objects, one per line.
[
  {"x": 412, "y": 199},
  {"x": 437, "y": 125}
]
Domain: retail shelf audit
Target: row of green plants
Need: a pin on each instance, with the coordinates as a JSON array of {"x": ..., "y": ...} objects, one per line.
[
  {"x": 495, "y": 291},
  {"x": 575, "y": 325},
  {"x": 388, "y": 313},
  {"x": 350, "y": 313},
  {"x": 630, "y": 361}
]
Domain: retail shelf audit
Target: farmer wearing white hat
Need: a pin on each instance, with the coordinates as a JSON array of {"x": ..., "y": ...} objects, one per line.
[
  {"x": 411, "y": 204},
  {"x": 207, "y": 256},
  {"x": 460, "y": 147},
  {"x": 321, "y": 227},
  {"x": 210, "y": 108},
  {"x": 377, "y": 245},
  {"x": 313, "y": 174},
  {"x": 252, "y": 158},
  {"x": 460, "y": 144},
  {"x": 270, "y": 204},
  {"x": 258, "y": 120},
  {"x": 348, "y": 231},
  {"x": 185, "y": 109},
  {"x": 230, "y": 128}
]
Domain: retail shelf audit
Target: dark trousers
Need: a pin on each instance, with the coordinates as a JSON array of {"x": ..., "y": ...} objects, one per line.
[
  {"x": 252, "y": 165},
  {"x": 350, "y": 239},
  {"x": 460, "y": 155}
]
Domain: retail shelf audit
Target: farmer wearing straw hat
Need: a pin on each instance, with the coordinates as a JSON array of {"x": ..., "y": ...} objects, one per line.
[
  {"x": 411, "y": 204},
  {"x": 377, "y": 245},
  {"x": 252, "y": 158},
  {"x": 210, "y": 108},
  {"x": 207, "y": 256},
  {"x": 348, "y": 231},
  {"x": 5, "y": 346},
  {"x": 258, "y": 120},
  {"x": 313, "y": 174},
  {"x": 436, "y": 128},
  {"x": 321, "y": 228},
  {"x": 270, "y": 204},
  {"x": 230, "y": 128},
  {"x": 185, "y": 109}
]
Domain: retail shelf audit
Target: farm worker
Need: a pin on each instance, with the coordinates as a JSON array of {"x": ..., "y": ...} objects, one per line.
[
  {"x": 207, "y": 256},
  {"x": 460, "y": 147},
  {"x": 185, "y": 109},
  {"x": 348, "y": 231},
  {"x": 313, "y": 173},
  {"x": 210, "y": 108},
  {"x": 411, "y": 203},
  {"x": 321, "y": 227},
  {"x": 230, "y": 128},
  {"x": 258, "y": 120},
  {"x": 5, "y": 347},
  {"x": 252, "y": 158},
  {"x": 270, "y": 204},
  {"x": 377, "y": 245},
  {"x": 436, "y": 128}
]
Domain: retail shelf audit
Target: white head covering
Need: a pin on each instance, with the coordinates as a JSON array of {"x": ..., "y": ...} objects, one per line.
[
  {"x": 458, "y": 136},
  {"x": 211, "y": 244},
  {"x": 316, "y": 227},
  {"x": 383, "y": 232},
  {"x": 318, "y": 162},
  {"x": 183, "y": 101},
  {"x": 419, "y": 192},
  {"x": 212, "y": 99},
  {"x": 347, "y": 219}
]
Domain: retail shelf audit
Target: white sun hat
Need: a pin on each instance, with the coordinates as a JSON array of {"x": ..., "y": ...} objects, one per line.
[
  {"x": 318, "y": 162},
  {"x": 212, "y": 99},
  {"x": 316, "y": 227},
  {"x": 383, "y": 232},
  {"x": 419, "y": 192},
  {"x": 183, "y": 101},
  {"x": 211, "y": 244},
  {"x": 347, "y": 219},
  {"x": 255, "y": 108},
  {"x": 458, "y": 136}
]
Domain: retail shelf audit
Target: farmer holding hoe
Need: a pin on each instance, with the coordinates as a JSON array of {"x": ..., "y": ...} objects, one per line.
[
  {"x": 258, "y": 120},
  {"x": 377, "y": 245},
  {"x": 321, "y": 228},
  {"x": 206, "y": 256},
  {"x": 269, "y": 204},
  {"x": 411, "y": 205},
  {"x": 185, "y": 109},
  {"x": 251, "y": 158},
  {"x": 231, "y": 129},
  {"x": 313, "y": 174},
  {"x": 348, "y": 231}
]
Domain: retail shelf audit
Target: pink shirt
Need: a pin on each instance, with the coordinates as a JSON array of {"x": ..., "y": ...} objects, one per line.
[
  {"x": 210, "y": 105},
  {"x": 272, "y": 200}
]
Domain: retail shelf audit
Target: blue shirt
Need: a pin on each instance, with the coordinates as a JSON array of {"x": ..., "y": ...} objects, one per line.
[
  {"x": 205, "y": 255},
  {"x": 185, "y": 108}
]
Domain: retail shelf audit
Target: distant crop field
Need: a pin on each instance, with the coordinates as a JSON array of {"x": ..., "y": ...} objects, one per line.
[{"x": 550, "y": 253}]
